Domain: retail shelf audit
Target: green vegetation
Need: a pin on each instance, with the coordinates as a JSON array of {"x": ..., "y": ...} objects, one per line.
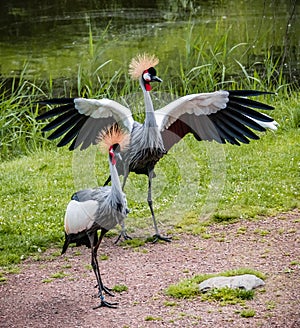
[
  {"x": 2, "y": 279},
  {"x": 27, "y": 226},
  {"x": 151, "y": 318},
  {"x": 270, "y": 305},
  {"x": 228, "y": 295},
  {"x": 247, "y": 313},
  {"x": 56, "y": 275},
  {"x": 188, "y": 288},
  {"x": 59, "y": 275},
  {"x": 133, "y": 243},
  {"x": 120, "y": 288},
  {"x": 220, "y": 183},
  {"x": 168, "y": 303},
  {"x": 19, "y": 132}
]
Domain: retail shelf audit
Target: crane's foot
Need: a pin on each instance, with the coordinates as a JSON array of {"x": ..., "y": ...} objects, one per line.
[
  {"x": 124, "y": 236},
  {"x": 158, "y": 237},
  {"x": 103, "y": 303}
]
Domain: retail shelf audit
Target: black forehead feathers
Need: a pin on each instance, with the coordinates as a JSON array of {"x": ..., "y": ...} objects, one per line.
[
  {"x": 116, "y": 146},
  {"x": 152, "y": 71}
]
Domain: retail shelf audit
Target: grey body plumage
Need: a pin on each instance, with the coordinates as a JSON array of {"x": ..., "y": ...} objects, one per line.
[{"x": 96, "y": 209}]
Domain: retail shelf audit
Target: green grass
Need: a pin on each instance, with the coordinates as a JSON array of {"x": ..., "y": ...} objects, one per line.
[
  {"x": 189, "y": 288},
  {"x": 196, "y": 182},
  {"x": 59, "y": 275},
  {"x": 120, "y": 288},
  {"x": 133, "y": 243},
  {"x": 28, "y": 226},
  {"x": 248, "y": 313},
  {"x": 260, "y": 179},
  {"x": 19, "y": 132},
  {"x": 228, "y": 295},
  {"x": 151, "y": 318}
]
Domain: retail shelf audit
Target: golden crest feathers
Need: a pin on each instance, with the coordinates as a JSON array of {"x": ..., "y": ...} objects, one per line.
[
  {"x": 111, "y": 136},
  {"x": 140, "y": 63}
]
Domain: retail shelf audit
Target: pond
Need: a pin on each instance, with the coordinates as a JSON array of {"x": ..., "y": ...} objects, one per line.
[{"x": 55, "y": 38}]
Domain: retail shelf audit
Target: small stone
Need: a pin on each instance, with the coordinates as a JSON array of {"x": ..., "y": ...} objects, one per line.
[{"x": 245, "y": 281}]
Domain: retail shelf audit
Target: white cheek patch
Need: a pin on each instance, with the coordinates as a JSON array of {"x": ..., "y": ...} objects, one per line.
[{"x": 147, "y": 77}]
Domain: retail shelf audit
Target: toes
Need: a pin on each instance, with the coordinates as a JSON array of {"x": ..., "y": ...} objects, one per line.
[
  {"x": 123, "y": 235},
  {"x": 106, "y": 304},
  {"x": 158, "y": 237},
  {"x": 108, "y": 291}
]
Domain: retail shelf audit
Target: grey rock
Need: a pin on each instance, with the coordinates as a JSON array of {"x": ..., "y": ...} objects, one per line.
[{"x": 245, "y": 281}]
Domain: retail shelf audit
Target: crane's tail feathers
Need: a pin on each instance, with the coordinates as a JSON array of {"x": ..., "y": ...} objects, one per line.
[
  {"x": 81, "y": 239},
  {"x": 66, "y": 244}
]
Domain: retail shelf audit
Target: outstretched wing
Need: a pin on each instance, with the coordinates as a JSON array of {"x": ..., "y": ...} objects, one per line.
[
  {"x": 80, "y": 120},
  {"x": 223, "y": 116}
]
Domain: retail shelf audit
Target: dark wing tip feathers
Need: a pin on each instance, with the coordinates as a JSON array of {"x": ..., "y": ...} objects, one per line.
[
  {"x": 231, "y": 124},
  {"x": 56, "y": 111},
  {"x": 71, "y": 125},
  {"x": 56, "y": 101},
  {"x": 250, "y": 103},
  {"x": 248, "y": 93}
]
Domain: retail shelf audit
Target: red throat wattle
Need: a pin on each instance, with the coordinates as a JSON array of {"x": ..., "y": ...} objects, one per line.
[{"x": 147, "y": 80}]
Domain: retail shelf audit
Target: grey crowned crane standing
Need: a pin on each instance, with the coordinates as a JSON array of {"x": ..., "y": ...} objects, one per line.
[
  {"x": 96, "y": 209},
  {"x": 223, "y": 116}
]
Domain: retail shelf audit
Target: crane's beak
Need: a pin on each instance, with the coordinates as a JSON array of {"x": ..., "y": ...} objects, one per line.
[
  {"x": 119, "y": 156},
  {"x": 156, "y": 79}
]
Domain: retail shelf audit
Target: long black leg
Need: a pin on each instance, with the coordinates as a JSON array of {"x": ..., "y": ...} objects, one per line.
[
  {"x": 95, "y": 266},
  {"x": 157, "y": 235}
]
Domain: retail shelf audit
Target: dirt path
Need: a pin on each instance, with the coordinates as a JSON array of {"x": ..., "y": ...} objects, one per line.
[{"x": 270, "y": 245}]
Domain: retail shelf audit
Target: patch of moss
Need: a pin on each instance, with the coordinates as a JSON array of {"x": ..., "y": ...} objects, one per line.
[
  {"x": 188, "y": 288},
  {"x": 247, "y": 313},
  {"x": 134, "y": 242},
  {"x": 120, "y": 288}
]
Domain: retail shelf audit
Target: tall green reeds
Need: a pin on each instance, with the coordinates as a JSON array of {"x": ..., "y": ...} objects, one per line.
[{"x": 19, "y": 131}]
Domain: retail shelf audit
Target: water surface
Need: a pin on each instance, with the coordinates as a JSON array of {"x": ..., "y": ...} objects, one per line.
[{"x": 53, "y": 37}]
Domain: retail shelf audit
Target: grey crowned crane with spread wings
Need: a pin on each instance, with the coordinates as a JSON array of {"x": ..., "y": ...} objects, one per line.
[
  {"x": 96, "y": 209},
  {"x": 223, "y": 116}
]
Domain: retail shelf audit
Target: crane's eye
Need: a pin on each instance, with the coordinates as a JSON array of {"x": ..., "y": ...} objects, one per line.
[{"x": 147, "y": 77}]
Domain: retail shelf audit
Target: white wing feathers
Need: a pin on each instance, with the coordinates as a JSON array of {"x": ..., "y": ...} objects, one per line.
[
  {"x": 197, "y": 104},
  {"x": 104, "y": 108},
  {"x": 80, "y": 216}
]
